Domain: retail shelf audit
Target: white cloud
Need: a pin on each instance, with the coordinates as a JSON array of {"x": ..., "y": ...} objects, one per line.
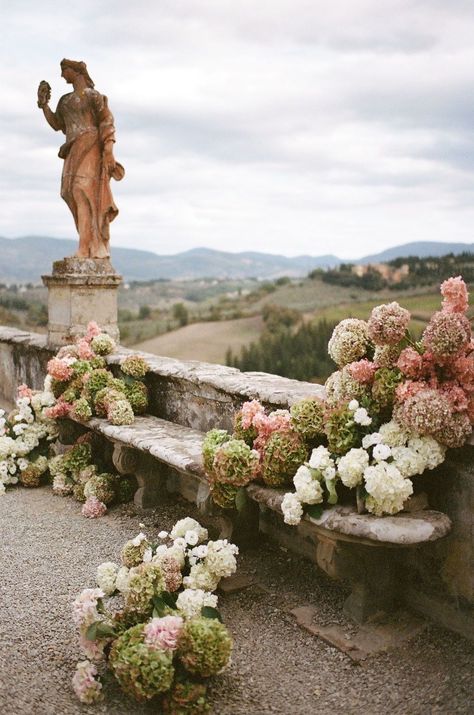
[{"x": 291, "y": 127}]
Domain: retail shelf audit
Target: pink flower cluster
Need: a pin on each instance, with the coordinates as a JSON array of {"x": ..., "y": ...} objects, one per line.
[
  {"x": 60, "y": 369},
  {"x": 84, "y": 349},
  {"x": 25, "y": 391},
  {"x": 93, "y": 508},
  {"x": 388, "y": 324},
  {"x": 455, "y": 294},
  {"x": 92, "y": 332},
  {"x": 86, "y": 686},
  {"x": 171, "y": 573},
  {"x": 60, "y": 409},
  {"x": 163, "y": 633},
  {"x": 250, "y": 410},
  {"x": 363, "y": 371},
  {"x": 266, "y": 425}
]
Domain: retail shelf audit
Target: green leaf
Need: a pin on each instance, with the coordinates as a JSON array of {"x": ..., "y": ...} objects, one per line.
[
  {"x": 105, "y": 631},
  {"x": 314, "y": 510},
  {"x": 241, "y": 499},
  {"x": 91, "y": 633},
  {"x": 209, "y": 612},
  {"x": 169, "y": 599},
  {"x": 159, "y": 607}
]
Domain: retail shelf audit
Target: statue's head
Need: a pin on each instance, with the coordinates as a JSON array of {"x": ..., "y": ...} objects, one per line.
[{"x": 70, "y": 68}]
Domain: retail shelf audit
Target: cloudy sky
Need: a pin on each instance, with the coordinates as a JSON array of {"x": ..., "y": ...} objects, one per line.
[{"x": 285, "y": 126}]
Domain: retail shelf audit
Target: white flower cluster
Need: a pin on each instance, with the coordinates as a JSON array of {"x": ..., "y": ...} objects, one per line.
[
  {"x": 191, "y": 601},
  {"x": 361, "y": 416},
  {"x": 387, "y": 489},
  {"x": 209, "y": 563},
  {"x": 107, "y": 577},
  {"x": 22, "y": 432},
  {"x": 308, "y": 481}
]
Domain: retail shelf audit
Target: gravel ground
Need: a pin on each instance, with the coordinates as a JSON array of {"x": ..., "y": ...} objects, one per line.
[{"x": 49, "y": 552}]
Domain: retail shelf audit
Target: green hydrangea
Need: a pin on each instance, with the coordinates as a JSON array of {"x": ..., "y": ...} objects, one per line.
[
  {"x": 104, "y": 397},
  {"x": 103, "y": 344},
  {"x": 135, "y": 366},
  {"x": 204, "y": 646},
  {"x": 307, "y": 418},
  {"x": 341, "y": 430},
  {"x": 81, "y": 367},
  {"x": 98, "y": 379},
  {"x": 132, "y": 555},
  {"x": 224, "y": 494},
  {"x": 284, "y": 453},
  {"x": 249, "y": 434},
  {"x": 31, "y": 476},
  {"x": 81, "y": 409},
  {"x": 120, "y": 412},
  {"x": 141, "y": 671},
  {"x": 385, "y": 383},
  {"x": 235, "y": 463},
  {"x": 146, "y": 581},
  {"x": 213, "y": 439},
  {"x": 186, "y": 697},
  {"x": 102, "y": 487},
  {"x": 78, "y": 457},
  {"x": 57, "y": 465},
  {"x": 78, "y": 492},
  {"x": 125, "y": 489},
  {"x": 97, "y": 362},
  {"x": 136, "y": 393}
]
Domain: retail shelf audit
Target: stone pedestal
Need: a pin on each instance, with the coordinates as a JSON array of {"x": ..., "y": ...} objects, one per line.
[{"x": 81, "y": 290}]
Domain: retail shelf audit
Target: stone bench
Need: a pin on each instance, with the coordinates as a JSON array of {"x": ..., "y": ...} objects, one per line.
[{"x": 166, "y": 457}]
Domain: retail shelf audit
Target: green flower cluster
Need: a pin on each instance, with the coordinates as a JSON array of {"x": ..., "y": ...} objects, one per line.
[
  {"x": 186, "y": 697},
  {"x": 213, "y": 439},
  {"x": 146, "y": 581},
  {"x": 135, "y": 366},
  {"x": 235, "y": 463},
  {"x": 307, "y": 418},
  {"x": 101, "y": 486},
  {"x": 204, "y": 646},
  {"x": 249, "y": 435},
  {"x": 284, "y": 453},
  {"x": 132, "y": 554},
  {"x": 141, "y": 671}
]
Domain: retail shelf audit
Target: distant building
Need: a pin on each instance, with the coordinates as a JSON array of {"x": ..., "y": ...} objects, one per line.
[{"x": 389, "y": 273}]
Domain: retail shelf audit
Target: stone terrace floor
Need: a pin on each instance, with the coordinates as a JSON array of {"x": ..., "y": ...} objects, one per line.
[{"x": 49, "y": 552}]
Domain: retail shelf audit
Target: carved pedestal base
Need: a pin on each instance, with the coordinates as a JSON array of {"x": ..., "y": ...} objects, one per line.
[{"x": 81, "y": 290}]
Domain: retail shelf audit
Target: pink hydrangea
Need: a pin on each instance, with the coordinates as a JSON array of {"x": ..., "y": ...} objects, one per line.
[
  {"x": 94, "y": 650},
  {"x": 93, "y": 508},
  {"x": 67, "y": 351},
  {"x": 470, "y": 409},
  {"x": 427, "y": 412},
  {"x": 92, "y": 331},
  {"x": 60, "y": 409},
  {"x": 163, "y": 633},
  {"x": 59, "y": 369},
  {"x": 363, "y": 371},
  {"x": 463, "y": 370},
  {"x": 408, "y": 389},
  {"x": 84, "y": 350},
  {"x": 85, "y": 684},
  {"x": 171, "y": 573},
  {"x": 84, "y": 607},
  {"x": 388, "y": 324},
  {"x": 456, "y": 297},
  {"x": 456, "y": 431},
  {"x": 410, "y": 363},
  {"x": 249, "y": 411},
  {"x": 25, "y": 391},
  {"x": 446, "y": 335},
  {"x": 277, "y": 421},
  {"x": 456, "y": 396}
]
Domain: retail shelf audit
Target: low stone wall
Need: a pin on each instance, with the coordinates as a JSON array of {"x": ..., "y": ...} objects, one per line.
[{"x": 438, "y": 579}]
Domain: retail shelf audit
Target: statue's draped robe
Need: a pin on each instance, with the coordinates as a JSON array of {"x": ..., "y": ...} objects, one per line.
[{"x": 85, "y": 185}]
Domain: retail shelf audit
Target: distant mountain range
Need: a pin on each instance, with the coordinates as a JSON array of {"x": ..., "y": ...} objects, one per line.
[{"x": 25, "y": 259}]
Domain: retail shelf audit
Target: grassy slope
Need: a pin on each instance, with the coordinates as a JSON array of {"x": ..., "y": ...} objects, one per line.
[{"x": 205, "y": 341}]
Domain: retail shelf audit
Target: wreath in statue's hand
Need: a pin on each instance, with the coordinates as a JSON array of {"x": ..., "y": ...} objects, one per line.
[{"x": 44, "y": 93}]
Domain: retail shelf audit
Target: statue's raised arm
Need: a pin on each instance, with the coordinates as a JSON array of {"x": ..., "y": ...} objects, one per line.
[{"x": 84, "y": 117}]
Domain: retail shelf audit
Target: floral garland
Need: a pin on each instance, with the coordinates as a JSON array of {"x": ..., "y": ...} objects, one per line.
[
  {"x": 390, "y": 412},
  {"x": 166, "y": 637},
  {"x": 25, "y": 438},
  {"x": 83, "y": 385}
]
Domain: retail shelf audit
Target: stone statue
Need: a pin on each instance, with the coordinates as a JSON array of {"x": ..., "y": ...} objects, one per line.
[{"x": 84, "y": 117}]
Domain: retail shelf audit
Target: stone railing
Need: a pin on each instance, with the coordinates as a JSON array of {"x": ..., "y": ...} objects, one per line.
[{"x": 436, "y": 579}]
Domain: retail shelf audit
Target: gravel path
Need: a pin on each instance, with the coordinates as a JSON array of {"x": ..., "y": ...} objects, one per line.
[{"x": 49, "y": 552}]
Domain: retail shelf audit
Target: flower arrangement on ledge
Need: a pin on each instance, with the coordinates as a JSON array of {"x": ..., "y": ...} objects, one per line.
[
  {"x": 26, "y": 435},
  {"x": 81, "y": 473},
  {"x": 391, "y": 410},
  {"x": 153, "y": 620},
  {"x": 84, "y": 386}
]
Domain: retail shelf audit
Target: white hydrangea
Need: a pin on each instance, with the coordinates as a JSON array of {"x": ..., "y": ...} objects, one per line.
[
  {"x": 191, "y": 601},
  {"x": 387, "y": 489},
  {"x": 362, "y": 417},
  {"x": 200, "y": 577},
  {"x": 138, "y": 539},
  {"x": 61, "y": 486},
  {"x": 381, "y": 452},
  {"x": 320, "y": 458},
  {"x": 351, "y": 467},
  {"x": 121, "y": 580},
  {"x": 432, "y": 451},
  {"x": 107, "y": 577},
  {"x": 2, "y": 488},
  {"x": 408, "y": 461},
  {"x": 292, "y": 509},
  {"x": 393, "y": 434},
  {"x": 308, "y": 489},
  {"x": 353, "y": 405},
  {"x": 220, "y": 558},
  {"x": 188, "y": 524}
]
